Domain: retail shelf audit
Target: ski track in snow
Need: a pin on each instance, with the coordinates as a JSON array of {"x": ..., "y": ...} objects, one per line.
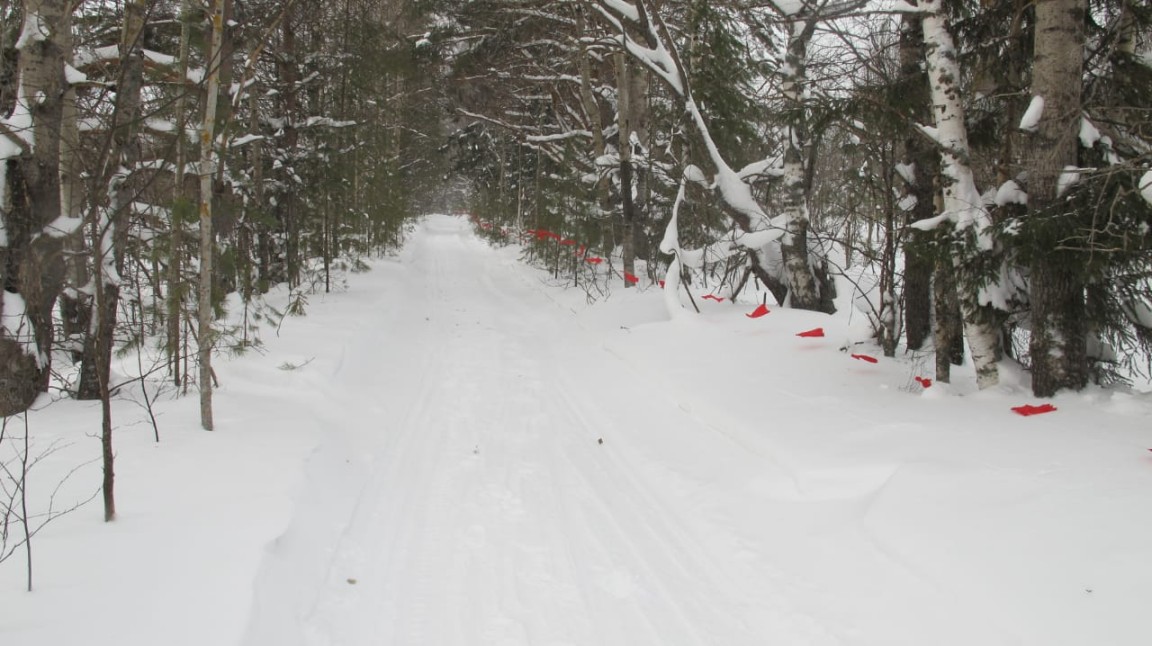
[
  {"x": 463, "y": 497},
  {"x": 418, "y": 463},
  {"x": 503, "y": 520}
]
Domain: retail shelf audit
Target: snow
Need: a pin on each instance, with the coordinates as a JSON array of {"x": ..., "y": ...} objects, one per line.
[
  {"x": 771, "y": 167},
  {"x": 789, "y": 7},
  {"x": 1010, "y": 193},
  {"x": 419, "y": 462},
  {"x": 623, "y": 8},
  {"x": 1031, "y": 119},
  {"x": 63, "y": 226},
  {"x": 907, "y": 172},
  {"x": 16, "y": 326},
  {"x": 1146, "y": 186},
  {"x": 159, "y": 58},
  {"x": 73, "y": 76},
  {"x": 1069, "y": 177},
  {"x": 693, "y": 174},
  {"x": 33, "y": 31},
  {"x": 245, "y": 139},
  {"x": 1089, "y": 134}
]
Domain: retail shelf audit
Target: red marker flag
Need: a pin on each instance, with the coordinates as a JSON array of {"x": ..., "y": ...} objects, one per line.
[
  {"x": 662, "y": 287},
  {"x": 924, "y": 381},
  {"x": 568, "y": 242},
  {"x": 595, "y": 260},
  {"x": 713, "y": 297},
  {"x": 629, "y": 278},
  {"x": 864, "y": 357},
  {"x": 1029, "y": 409},
  {"x": 813, "y": 333},
  {"x": 758, "y": 312}
]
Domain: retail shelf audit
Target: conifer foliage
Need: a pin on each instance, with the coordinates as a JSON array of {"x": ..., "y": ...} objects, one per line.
[{"x": 165, "y": 160}]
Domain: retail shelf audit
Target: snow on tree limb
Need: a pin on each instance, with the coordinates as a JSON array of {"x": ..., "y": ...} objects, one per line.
[
  {"x": 1031, "y": 119},
  {"x": 1146, "y": 186}
]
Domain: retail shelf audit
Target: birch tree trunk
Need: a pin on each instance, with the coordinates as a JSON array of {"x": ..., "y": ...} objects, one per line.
[
  {"x": 31, "y": 240},
  {"x": 1058, "y": 345},
  {"x": 962, "y": 204},
  {"x": 803, "y": 289},
  {"x": 209, "y": 158}
]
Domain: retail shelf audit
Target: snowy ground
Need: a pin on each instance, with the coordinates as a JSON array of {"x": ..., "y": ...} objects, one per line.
[{"x": 431, "y": 473}]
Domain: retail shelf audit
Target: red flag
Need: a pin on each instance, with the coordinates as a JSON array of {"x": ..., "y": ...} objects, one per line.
[
  {"x": 924, "y": 381},
  {"x": 630, "y": 278},
  {"x": 568, "y": 242},
  {"x": 758, "y": 312},
  {"x": 713, "y": 297},
  {"x": 813, "y": 333},
  {"x": 1029, "y": 409},
  {"x": 864, "y": 357},
  {"x": 595, "y": 260},
  {"x": 662, "y": 287}
]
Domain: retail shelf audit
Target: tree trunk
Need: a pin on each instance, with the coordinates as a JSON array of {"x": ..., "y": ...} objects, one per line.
[
  {"x": 110, "y": 232},
  {"x": 209, "y": 158},
  {"x": 962, "y": 203},
  {"x": 625, "y": 116},
  {"x": 918, "y": 158},
  {"x": 286, "y": 206},
  {"x": 591, "y": 107},
  {"x": 31, "y": 255},
  {"x": 803, "y": 289},
  {"x": 948, "y": 326},
  {"x": 176, "y": 288},
  {"x": 1058, "y": 345}
]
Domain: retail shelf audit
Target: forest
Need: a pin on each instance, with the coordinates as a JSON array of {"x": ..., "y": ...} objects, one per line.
[{"x": 978, "y": 172}]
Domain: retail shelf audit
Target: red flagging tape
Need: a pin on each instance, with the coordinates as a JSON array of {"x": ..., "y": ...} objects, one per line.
[
  {"x": 629, "y": 278},
  {"x": 595, "y": 260},
  {"x": 758, "y": 312},
  {"x": 662, "y": 287},
  {"x": 713, "y": 297},
  {"x": 864, "y": 357},
  {"x": 924, "y": 381},
  {"x": 1029, "y": 409},
  {"x": 813, "y": 333}
]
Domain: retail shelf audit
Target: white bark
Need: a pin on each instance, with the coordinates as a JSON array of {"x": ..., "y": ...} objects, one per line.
[{"x": 962, "y": 203}]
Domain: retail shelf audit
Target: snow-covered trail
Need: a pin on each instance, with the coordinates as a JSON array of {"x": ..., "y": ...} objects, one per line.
[
  {"x": 462, "y": 494},
  {"x": 418, "y": 462},
  {"x": 491, "y": 513}
]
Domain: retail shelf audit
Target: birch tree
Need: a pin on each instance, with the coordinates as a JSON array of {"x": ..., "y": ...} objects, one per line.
[
  {"x": 963, "y": 207},
  {"x": 642, "y": 34},
  {"x": 33, "y": 224}
]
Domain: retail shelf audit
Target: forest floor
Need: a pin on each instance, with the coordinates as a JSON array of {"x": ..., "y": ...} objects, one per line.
[{"x": 453, "y": 451}]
